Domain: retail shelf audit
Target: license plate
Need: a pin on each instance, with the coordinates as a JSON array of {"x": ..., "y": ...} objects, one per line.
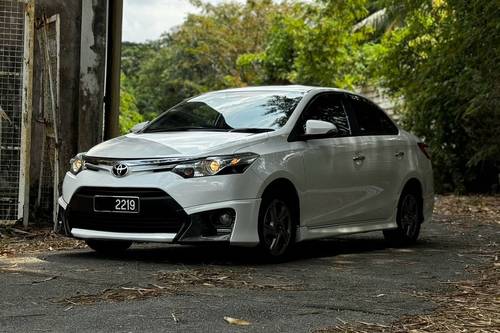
[{"x": 116, "y": 204}]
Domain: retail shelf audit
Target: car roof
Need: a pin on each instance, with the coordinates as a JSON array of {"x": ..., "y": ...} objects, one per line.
[{"x": 281, "y": 88}]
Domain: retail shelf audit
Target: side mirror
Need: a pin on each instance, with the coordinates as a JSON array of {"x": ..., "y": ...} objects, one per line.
[
  {"x": 319, "y": 127},
  {"x": 139, "y": 127}
]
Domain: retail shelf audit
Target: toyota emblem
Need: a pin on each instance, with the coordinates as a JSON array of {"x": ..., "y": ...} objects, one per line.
[{"x": 120, "y": 170}]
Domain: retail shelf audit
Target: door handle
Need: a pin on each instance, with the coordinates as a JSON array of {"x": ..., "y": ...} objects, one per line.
[
  {"x": 400, "y": 154},
  {"x": 358, "y": 158}
]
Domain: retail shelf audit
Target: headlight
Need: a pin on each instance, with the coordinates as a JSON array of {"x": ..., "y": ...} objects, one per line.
[
  {"x": 76, "y": 164},
  {"x": 217, "y": 165}
]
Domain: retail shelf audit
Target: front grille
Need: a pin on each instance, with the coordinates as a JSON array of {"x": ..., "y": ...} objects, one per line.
[
  {"x": 159, "y": 212},
  {"x": 134, "y": 165}
]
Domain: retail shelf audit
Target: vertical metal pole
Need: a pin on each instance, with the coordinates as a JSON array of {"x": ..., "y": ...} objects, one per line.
[{"x": 27, "y": 107}]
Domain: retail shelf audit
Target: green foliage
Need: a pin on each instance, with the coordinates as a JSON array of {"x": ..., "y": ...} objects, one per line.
[
  {"x": 439, "y": 58},
  {"x": 134, "y": 55},
  {"x": 313, "y": 43},
  {"x": 129, "y": 114},
  {"x": 200, "y": 55},
  {"x": 444, "y": 60}
]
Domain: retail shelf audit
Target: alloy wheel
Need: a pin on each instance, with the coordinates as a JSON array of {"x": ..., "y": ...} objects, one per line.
[
  {"x": 409, "y": 217},
  {"x": 277, "y": 227}
]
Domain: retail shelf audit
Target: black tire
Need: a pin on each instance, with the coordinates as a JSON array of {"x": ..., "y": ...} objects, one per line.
[
  {"x": 277, "y": 226},
  {"x": 110, "y": 247},
  {"x": 408, "y": 218}
]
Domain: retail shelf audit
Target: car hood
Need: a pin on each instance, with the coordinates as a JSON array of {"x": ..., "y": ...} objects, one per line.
[{"x": 172, "y": 144}]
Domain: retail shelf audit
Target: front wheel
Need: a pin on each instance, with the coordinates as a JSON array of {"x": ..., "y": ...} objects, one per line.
[
  {"x": 408, "y": 218},
  {"x": 276, "y": 226},
  {"x": 110, "y": 247}
]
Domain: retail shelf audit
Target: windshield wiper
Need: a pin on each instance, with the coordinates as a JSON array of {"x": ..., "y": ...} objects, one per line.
[
  {"x": 184, "y": 129},
  {"x": 251, "y": 130}
]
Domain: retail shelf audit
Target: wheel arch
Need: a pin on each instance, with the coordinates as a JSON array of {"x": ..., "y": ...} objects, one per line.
[
  {"x": 284, "y": 186},
  {"x": 415, "y": 186}
]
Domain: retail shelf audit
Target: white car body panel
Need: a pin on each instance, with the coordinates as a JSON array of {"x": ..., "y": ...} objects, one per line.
[
  {"x": 191, "y": 144},
  {"x": 136, "y": 237},
  {"x": 337, "y": 195},
  {"x": 334, "y": 199}
]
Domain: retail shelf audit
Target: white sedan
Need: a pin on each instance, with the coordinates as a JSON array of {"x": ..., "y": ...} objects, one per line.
[{"x": 261, "y": 166}]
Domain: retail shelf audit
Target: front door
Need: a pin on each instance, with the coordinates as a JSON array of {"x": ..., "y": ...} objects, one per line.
[{"x": 334, "y": 190}]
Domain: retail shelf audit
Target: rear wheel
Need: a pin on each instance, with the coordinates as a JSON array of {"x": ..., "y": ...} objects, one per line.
[
  {"x": 108, "y": 246},
  {"x": 276, "y": 226},
  {"x": 409, "y": 218}
]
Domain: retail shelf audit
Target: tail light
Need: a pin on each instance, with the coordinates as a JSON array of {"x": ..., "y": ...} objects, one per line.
[{"x": 425, "y": 149}]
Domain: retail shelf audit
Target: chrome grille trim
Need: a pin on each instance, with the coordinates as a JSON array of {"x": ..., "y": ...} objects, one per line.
[{"x": 135, "y": 165}]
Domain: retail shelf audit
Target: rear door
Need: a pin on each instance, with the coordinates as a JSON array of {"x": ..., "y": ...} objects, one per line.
[{"x": 384, "y": 156}]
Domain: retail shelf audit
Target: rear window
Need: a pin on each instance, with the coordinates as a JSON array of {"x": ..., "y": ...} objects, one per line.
[{"x": 370, "y": 118}]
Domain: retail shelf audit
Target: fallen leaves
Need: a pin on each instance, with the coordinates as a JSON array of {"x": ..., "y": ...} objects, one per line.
[
  {"x": 116, "y": 294},
  {"x": 213, "y": 276},
  {"x": 235, "y": 321},
  {"x": 472, "y": 306},
  {"x": 473, "y": 208},
  {"x": 14, "y": 241},
  {"x": 180, "y": 281}
]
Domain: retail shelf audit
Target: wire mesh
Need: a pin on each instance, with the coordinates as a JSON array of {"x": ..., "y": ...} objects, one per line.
[{"x": 12, "y": 18}]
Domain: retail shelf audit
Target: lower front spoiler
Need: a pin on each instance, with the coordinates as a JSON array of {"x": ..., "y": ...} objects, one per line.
[
  {"x": 63, "y": 228},
  {"x": 129, "y": 236}
]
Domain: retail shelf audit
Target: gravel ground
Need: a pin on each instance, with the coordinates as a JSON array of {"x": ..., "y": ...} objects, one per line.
[{"x": 346, "y": 284}]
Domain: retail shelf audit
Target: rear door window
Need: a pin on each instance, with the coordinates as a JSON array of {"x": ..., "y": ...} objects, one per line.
[{"x": 371, "y": 120}]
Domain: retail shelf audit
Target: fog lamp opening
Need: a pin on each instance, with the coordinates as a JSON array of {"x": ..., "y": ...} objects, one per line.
[
  {"x": 210, "y": 226},
  {"x": 223, "y": 220}
]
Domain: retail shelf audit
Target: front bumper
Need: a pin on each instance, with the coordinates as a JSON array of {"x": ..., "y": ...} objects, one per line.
[
  {"x": 176, "y": 218},
  {"x": 193, "y": 229}
]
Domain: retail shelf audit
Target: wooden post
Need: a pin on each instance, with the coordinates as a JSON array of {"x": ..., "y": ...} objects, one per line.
[
  {"x": 27, "y": 108},
  {"x": 112, "y": 99}
]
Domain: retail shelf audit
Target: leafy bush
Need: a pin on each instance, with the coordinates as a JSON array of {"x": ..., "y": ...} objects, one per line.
[
  {"x": 129, "y": 114},
  {"x": 444, "y": 60}
]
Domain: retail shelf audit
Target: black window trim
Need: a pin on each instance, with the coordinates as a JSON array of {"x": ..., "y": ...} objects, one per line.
[
  {"x": 354, "y": 121},
  {"x": 295, "y": 134}
]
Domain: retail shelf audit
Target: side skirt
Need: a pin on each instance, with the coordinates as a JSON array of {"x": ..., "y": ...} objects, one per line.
[{"x": 307, "y": 233}]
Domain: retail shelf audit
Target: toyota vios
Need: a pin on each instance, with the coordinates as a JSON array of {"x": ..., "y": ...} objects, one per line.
[{"x": 261, "y": 166}]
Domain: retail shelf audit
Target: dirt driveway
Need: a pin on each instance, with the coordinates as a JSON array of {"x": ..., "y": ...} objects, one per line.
[{"x": 327, "y": 286}]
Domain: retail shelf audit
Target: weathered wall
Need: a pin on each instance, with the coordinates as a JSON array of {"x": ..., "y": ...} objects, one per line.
[
  {"x": 92, "y": 73},
  {"x": 70, "y": 20},
  {"x": 83, "y": 28}
]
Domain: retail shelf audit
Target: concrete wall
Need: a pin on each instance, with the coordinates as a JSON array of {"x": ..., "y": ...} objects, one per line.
[
  {"x": 70, "y": 16},
  {"x": 92, "y": 73},
  {"x": 83, "y": 29}
]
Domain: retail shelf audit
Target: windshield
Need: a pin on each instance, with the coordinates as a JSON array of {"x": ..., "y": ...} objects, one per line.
[{"x": 255, "y": 111}]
